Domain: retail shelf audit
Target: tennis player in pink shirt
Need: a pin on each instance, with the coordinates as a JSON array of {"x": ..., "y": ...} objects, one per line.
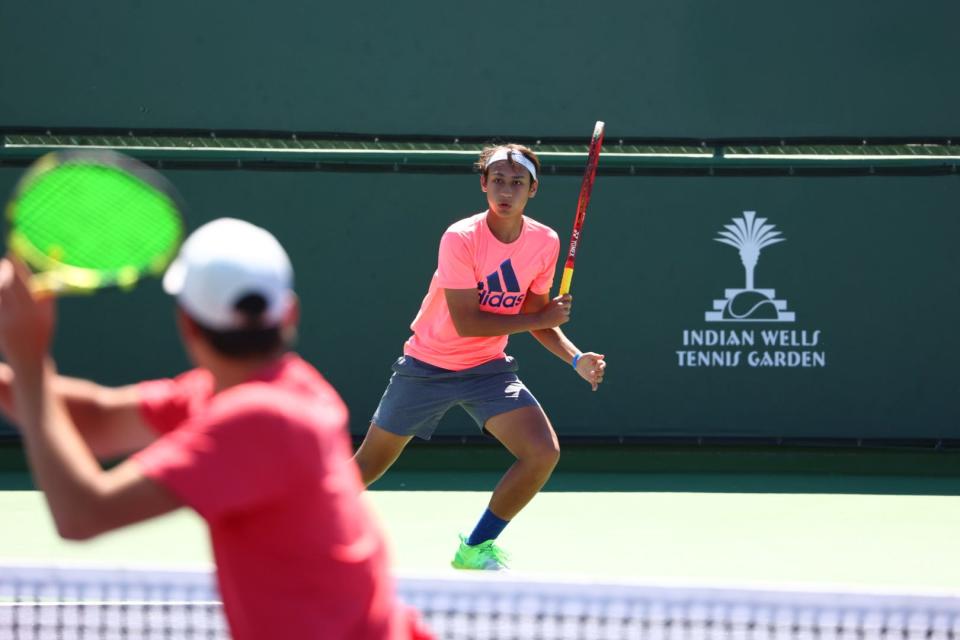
[
  {"x": 493, "y": 279},
  {"x": 254, "y": 439}
]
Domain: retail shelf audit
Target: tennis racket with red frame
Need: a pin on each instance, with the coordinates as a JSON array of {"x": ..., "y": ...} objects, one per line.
[{"x": 593, "y": 157}]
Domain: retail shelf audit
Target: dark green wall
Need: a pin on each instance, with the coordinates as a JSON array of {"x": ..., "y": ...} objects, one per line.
[
  {"x": 869, "y": 262},
  {"x": 697, "y": 68}
]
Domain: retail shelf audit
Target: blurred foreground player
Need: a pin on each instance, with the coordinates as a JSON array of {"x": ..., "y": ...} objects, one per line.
[{"x": 254, "y": 439}]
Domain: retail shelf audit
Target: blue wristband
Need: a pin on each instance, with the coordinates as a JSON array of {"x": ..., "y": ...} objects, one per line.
[{"x": 576, "y": 359}]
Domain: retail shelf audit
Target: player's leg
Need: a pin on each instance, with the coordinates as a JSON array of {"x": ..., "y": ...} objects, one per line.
[
  {"x": 529, "y": 436},
  {"x": 412, "y": 405},
  {"x": 378, "y": 451}
]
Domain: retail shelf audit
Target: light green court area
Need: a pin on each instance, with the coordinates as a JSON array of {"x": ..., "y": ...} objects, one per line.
[{"x": 905, "y": 542}]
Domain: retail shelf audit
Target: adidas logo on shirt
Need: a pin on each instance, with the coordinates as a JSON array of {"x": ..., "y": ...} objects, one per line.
[{"x": 501, "y": 291}]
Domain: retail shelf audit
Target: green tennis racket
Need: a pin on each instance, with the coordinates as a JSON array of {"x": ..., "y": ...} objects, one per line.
[{"x": 86, "y": 220}]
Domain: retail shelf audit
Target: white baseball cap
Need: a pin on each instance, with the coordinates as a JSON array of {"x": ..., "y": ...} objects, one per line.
[{"x": 224, "y": 261}]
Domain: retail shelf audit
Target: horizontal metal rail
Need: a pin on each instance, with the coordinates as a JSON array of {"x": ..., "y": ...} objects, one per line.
[{"x": 346, "y": 152}]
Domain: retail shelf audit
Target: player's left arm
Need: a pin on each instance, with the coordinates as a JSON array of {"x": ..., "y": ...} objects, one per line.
[
  {"x": 83, "y": 498},
  {"x": 590, "y": 365}
]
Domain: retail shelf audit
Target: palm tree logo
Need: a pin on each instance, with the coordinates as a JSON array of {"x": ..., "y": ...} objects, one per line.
[{"x": 749, "y": 235}]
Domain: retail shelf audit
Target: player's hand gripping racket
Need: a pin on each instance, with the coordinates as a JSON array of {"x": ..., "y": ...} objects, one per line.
[
  {"x": 585, "y": 188},
  {"x": 85, "y": 220}
]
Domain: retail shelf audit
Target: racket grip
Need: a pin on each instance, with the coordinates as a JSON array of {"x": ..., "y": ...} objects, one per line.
[
  {"x": 565, "y": 280},
  {"x": 46, "y": 284}
]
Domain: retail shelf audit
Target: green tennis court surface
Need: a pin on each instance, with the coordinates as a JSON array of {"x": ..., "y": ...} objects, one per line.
[{"x": 902, "y": 541}]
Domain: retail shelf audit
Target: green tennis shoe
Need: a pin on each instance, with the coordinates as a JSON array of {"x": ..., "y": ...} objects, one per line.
[{"x": 485, "y": 556}]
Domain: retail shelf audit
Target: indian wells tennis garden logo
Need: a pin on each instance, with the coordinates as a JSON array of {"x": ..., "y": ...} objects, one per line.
[
  {"x": 733, "y": 346},
  {"x": 749, "y": 235}
]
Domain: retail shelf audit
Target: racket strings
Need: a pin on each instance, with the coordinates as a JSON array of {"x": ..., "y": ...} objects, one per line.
[{"x": 97, "y": 217}]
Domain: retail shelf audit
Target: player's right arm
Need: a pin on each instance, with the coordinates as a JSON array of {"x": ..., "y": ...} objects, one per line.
[
  {"x": 108, "y": 418},
  {"x": 471, "y": 321}
]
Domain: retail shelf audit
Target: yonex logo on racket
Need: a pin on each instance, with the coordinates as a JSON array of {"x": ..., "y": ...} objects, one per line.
[
  {"x": 501, "y": 288},
  {"x": 749, "y": 235},
  {"x": 574, "y": 241}
]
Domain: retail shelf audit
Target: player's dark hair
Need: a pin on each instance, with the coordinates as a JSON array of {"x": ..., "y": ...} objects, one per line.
[
  {"x": 253, "y": 339},
  {"x": 481, "y": 164}
]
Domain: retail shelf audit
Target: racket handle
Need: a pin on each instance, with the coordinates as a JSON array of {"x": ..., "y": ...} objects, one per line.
[
  {"x": 46, "y": 284},
  {"x": 565, "y": 280}
]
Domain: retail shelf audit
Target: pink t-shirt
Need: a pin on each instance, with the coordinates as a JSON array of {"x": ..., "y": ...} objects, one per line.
[
  {"x": 267, "y": 464},
  {"x": 503, "y": 274}
]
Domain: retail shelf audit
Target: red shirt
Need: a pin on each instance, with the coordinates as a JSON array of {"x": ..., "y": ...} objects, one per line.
[{"x": 267, "y": 464}]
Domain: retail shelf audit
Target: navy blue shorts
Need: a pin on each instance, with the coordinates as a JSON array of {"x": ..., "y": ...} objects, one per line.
[{"x": 419, "y": 394}]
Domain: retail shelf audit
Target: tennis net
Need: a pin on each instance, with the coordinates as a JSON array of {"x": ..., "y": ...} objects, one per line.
[{"x": 70, "y": 602}]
